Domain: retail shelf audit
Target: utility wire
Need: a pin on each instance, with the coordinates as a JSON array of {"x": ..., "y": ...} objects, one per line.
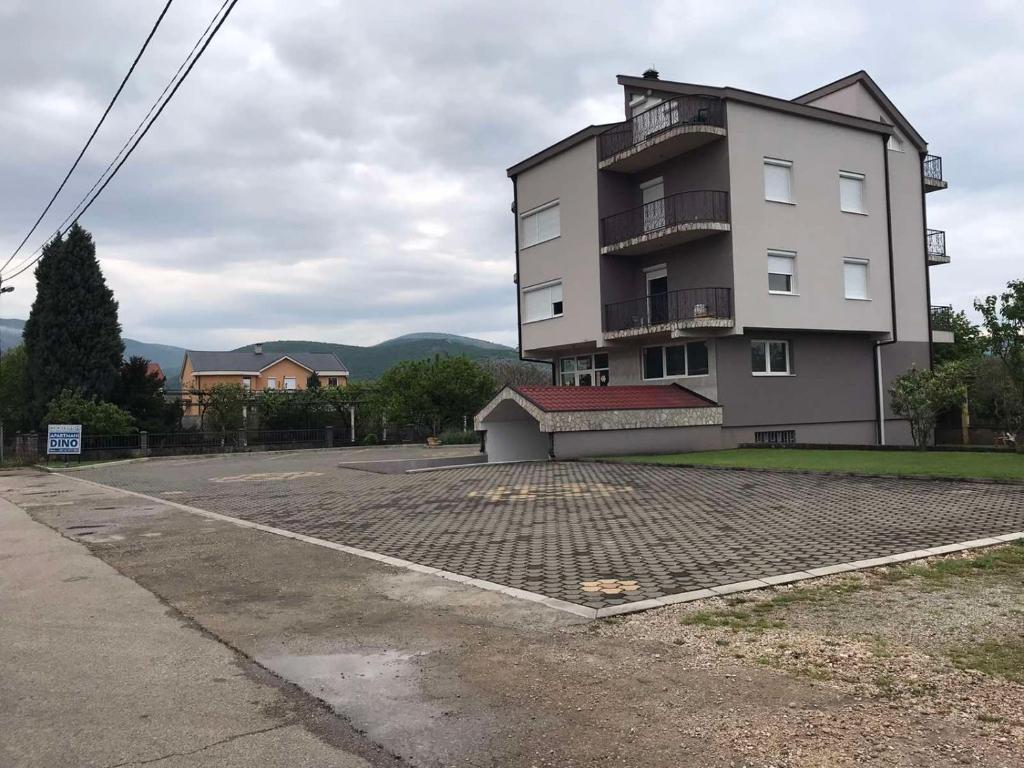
[
  {"x": 92, "y": 135},
  {"x": 75, "y": 212}
]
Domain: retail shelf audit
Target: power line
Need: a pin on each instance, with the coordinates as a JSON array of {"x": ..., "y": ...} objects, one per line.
[
  {"x": 230, "y": 4},
  {"x": 92, "y": 135}
]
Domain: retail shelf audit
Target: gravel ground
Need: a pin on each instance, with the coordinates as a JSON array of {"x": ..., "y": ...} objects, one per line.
[{"x": 900, "y": 644}]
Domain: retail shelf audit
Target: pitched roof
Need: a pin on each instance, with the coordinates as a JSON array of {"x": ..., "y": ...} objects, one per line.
[
  {"x": 250, "y": 362},
  {"x": 877, "y": 93},
  {"x": 154, "y": 369},
  {"x": 616, "y": 398}
]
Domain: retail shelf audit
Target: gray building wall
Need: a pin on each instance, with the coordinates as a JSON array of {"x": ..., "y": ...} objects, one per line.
[
  {"x": 514, "y": 435},
  {"x": 571, "y": 178},
  {"x": 814, "y": 226},
  {"x": 622, "y": 442},
  {"x": 906, "y": 188}
]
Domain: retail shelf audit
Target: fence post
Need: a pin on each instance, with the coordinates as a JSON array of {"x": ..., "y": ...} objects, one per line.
[
  {"x": 328, "y": 436},
  {"x": 243, "y": 441},
  {"x": 143, "y": 443}
]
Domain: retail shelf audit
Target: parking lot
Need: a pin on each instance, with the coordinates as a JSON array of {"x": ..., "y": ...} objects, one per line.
[{"x": 591, "y": 534}]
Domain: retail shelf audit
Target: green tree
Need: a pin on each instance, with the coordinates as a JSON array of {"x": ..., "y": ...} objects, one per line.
[
  {"x": 968, "y": 343},
  {"x": 225, "y": 409},
  {"x": 96, "y": 417},
  {"x": 141, "y": 393},
  {"x": 15, "y": 391},
  {"x": 921, "y": 395},
  {"x": 1003, "y": 320},
  {"x": 72, "y": 335},
  {"x": 313, "y": 381},
  {"x": 438, "y": 393}
]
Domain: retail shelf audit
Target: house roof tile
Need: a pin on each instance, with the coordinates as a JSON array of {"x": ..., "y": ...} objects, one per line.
[
  {"x": 617, "y": 398},
  {"x": 249, "y": 362}
]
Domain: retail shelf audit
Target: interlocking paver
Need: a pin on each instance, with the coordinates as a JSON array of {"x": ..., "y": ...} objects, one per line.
[{"x": 548, "y": 527}]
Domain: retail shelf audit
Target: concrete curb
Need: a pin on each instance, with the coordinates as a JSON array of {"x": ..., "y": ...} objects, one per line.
[
  {"x": 816, "y": 472},
  {"x": 750, "y": 585}
]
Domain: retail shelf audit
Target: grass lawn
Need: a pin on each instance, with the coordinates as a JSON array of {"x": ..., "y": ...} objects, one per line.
[{"x": 1001, "y": 466}]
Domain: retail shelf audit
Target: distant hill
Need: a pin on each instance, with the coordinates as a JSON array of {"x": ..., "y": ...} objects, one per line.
[
  {"x": 363, "y": 362},
  {"x": 371, "y": 362}
]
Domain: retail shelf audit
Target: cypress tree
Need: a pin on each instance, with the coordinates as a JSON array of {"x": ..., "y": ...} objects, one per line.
[{"x": 72, "y": 335}]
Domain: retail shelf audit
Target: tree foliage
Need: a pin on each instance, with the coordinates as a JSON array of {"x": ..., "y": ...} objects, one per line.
[
  {"x": 225, "y": 408},
  {"x": 72, "y": 335},
  {"x": 1003, "y": 320},
  {"x": 15, "y": 391},
  {"x": 141, "y": 393},
  {"x": 513, "y": 372},
  {"x": 968, "y": 343},
  {"x": 921, "y": 395},
  {"x": 95, "y": 416},
  {"x": 436, "y": 392}
]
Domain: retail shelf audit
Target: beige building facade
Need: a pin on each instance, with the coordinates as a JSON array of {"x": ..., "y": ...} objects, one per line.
[{"x": 771, "y": 255}]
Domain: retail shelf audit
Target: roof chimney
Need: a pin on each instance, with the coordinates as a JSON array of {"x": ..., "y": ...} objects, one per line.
[
  {"x": 257, "y": 348},
  {"x": 651, "y": 74}
]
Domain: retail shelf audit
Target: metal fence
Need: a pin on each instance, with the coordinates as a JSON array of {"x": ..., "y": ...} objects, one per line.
[
  {"x": 685, "y": 110},
  {"x": 936, "y": 244},
  {"x": 941, "y": 318},
  {"x": 670, "y": 307},
  {"x": 702, "y": 205},
  {"x": 932, "y": 167}
]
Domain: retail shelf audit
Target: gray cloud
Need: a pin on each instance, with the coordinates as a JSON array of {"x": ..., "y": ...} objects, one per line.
[{"x": 336, "y": 170}]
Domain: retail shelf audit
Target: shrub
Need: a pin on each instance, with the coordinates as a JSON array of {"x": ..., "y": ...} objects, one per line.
[
  {"x": 95, "y": 416},
  {"x": 459, "y": 437},
  {"x": 370, "y": 439}
]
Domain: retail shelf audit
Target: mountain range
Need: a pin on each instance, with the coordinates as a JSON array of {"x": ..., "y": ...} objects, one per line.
[{"x": 363, "y": 362}]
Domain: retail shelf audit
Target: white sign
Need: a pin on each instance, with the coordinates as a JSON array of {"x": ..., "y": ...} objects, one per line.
[{"x": 64, "y": 438}]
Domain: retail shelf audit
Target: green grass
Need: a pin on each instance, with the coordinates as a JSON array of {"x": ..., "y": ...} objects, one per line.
[
  {"x": 998, "y": 466},
  {"x": 993, "y": 657},
  {"x": 1005, "y": 561},
  {"x": 754, "y": 615}
]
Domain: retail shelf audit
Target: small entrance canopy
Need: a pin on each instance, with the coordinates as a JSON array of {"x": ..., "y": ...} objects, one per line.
[{"x": 531, "y": 423}]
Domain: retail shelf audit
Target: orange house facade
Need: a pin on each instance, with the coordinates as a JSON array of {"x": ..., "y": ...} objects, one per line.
[{"x": 255, "y": 371}]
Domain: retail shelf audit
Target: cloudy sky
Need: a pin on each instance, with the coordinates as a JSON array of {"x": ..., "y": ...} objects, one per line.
[{"x": 335, "y": 170}]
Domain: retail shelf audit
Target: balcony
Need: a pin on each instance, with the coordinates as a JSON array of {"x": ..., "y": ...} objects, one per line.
[
  {"x": 935, "y": 248},
  {"x": 941, "y": 323},
  {"x": 676, "y": 312},
  {"x": 931, "y": 169},
  {"x": 666, "y": 222},
  {"x": 663, "y": 131}
]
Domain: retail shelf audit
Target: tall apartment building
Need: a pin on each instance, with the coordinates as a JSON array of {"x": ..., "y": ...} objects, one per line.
[{"x": 771, "y": 255}]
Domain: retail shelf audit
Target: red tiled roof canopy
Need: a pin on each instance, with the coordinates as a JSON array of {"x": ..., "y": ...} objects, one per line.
[{"x": 621, "y": 398}]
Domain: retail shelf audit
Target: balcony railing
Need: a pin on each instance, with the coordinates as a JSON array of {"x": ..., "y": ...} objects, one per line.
[
  {"x": 684, "y": 208},
  {"x": 685, "y": 110},
  {"x": 932, "y": 168},
  {"x": 936, "y": 245},
  {"x": 690, "y": 304},
  {"x": 942, "y": 318}
]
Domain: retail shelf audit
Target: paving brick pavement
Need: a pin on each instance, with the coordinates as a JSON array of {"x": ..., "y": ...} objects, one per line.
[{"x": 558, "y": 528}]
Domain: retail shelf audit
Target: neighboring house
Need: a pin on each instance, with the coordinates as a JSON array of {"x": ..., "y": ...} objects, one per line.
[
  {"x": 153, "y": 370},
  {"x": 255, "y": 371},
  {"x": 770, "y": 255}
]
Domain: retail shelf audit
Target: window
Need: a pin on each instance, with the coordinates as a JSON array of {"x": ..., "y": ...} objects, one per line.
[
  {"x": 289, "y": 382},
  {"x": 855, "y": 277},
  {"x": 247, "y": 383},
  {"x": 542, "y": 302},
  {"x": 332, "y": 381},
  {"x": 652, "y": 195},
  {"x": 851, "y": 192},
  {"x": 678, "y": 360},
  {"x": 776, "y": 436},
  {"x": 540, "y": 224},
  {"x": 584, "y": 371},
  {"x": 895, "y": 143},
  {"x": 271, "y": 383},
  {"x": 778, "y": 180},
  {"x": 781, "y": 272},
  {"x": 769, "y": 358}
]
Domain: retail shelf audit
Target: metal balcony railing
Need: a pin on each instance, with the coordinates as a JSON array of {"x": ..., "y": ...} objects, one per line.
[
  {"x": 932, "y": 167},
  {"x": 703, "y": 205},
  {"x": 671, "y": 307},
  {"x": 936, "y": 244},
  {"x": 684, "y": 110},
  {"x": 942, "y": 318}
]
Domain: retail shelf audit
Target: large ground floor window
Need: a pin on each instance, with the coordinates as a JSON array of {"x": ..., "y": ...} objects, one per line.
[
  {"x": 584, "y": 371},
  {"x": 690, "y": 359}
]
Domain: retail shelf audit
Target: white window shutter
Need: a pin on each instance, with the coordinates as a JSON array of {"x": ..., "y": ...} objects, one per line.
[
  {"x": 851, "y": 193},
  {"x": 778, "y": 182},
  {"x": 855, "y": 274},
  {"x": 780, "y": 265}
]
